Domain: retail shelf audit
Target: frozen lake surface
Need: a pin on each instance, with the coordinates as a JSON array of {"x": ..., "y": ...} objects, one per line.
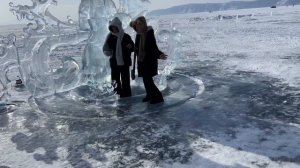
[{"x": 233, "y": 101}]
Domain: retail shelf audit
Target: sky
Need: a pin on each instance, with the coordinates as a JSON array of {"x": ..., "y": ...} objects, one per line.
[{"x": 6, "y": 17}]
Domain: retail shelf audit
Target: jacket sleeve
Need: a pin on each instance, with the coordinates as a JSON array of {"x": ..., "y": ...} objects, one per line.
[
  {"x": 129, "y": 41},
  {"x": 137, "y": 44},
  {"x": 106, "y": 49},
  {"x": 153, "y": 44}
]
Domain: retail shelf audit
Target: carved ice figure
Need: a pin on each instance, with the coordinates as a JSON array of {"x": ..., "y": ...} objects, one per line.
[
  {"x": 170, "y": 38},
  {"x": 96, "y": 14},
  {"x": 84, "y": 15},
  {"x": 42, "y": 35},
  {"x": 9, "y": 62}
]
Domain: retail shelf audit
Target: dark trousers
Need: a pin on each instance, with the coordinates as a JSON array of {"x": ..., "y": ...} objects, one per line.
[
  {"x": 121, "y": 74},
  {"x": 151, "y": 90}
]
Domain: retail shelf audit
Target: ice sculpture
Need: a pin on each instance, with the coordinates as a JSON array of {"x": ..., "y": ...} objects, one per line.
[
  {"x": 9, "y": 62},
  {"x": 171, "y": 38},
  {"x": 30, "y": 56},
  {"x": 42, "y": 35}
]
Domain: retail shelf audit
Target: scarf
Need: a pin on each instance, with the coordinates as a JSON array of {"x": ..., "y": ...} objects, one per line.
[
  {"x": 119, "y": 54},
  {"x": 142, "y": 30},
  {"x": 142, "y": 51}
]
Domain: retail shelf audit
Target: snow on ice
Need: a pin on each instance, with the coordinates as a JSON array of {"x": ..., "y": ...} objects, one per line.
[{"x": 231, "y": 88}]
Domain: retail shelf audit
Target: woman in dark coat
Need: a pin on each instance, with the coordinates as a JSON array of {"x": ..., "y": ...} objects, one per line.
[
  {"x": 119, "y": 46},
  {"x": 148, "y": 53}
]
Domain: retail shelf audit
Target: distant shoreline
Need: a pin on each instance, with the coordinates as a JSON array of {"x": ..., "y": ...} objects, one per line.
[
  {"x": 13, "y": 24},
  {"x": 11, "y": 29},
  {"x": 215, "y": 7}
]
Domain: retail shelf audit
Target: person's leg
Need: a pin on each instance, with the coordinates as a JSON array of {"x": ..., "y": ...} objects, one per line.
[
  {"x": 125, "y": 80},
  {"x": 152, "y": 91},
  {"x": 115, "y": 76},
  {"x": 156, "y": 96},
  {"x": 147, "y": 85}
]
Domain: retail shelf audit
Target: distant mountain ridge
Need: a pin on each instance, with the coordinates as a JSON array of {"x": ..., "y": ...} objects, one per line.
[{"x": 209, "y": 7}]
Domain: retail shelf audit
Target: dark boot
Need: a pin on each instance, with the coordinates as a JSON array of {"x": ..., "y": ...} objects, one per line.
[{"x": 147, "y": 98}]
